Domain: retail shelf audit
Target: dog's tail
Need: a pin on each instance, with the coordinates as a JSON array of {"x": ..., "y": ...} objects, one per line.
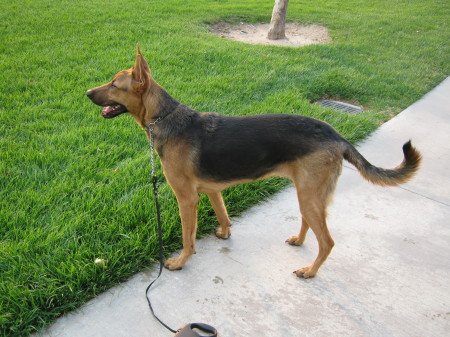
[{"x": 384, "y": 177}]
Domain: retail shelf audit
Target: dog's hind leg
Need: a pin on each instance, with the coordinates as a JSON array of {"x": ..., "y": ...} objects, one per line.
[
  {"x": 216, "y": 199},
  {"x": 297, "y": 240},
  {"x": 315, "y": 188},
  {"x": 315, "y": 216},
  {"x": 313, "y": 209},
  {"x": 187, "y": 203}
]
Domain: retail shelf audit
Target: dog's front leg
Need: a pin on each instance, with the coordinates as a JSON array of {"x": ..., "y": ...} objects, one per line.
[
  {"x": 187, "y": 204},
  {"x": 223, "y": 231}
]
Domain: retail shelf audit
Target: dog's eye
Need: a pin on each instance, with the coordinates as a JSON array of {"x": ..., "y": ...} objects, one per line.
[{"x": 113, "y": 86}]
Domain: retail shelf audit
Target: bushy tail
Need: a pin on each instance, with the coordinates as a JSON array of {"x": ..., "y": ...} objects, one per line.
[{"x": 399, "y": 175}]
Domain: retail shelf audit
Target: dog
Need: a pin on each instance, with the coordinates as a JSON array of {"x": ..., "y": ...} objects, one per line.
[{"x": 204, "y": 152}]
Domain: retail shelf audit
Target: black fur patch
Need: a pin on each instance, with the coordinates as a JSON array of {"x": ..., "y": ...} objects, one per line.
[{"x": 232, "y": 148}]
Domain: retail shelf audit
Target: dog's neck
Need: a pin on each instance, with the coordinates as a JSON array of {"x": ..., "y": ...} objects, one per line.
[{"x": 157, "y": 104}]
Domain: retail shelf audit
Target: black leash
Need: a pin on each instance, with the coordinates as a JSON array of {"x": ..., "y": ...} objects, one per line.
[
  {"x": 188, "y": 329},
  {"x": 161, "y": 253}
]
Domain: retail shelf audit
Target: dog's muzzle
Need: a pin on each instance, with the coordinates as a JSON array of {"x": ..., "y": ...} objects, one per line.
[{"x": 110, "y": 110}]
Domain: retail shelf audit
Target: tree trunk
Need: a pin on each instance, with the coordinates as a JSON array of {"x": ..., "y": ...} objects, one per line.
[{"x": 278, "y": 21}]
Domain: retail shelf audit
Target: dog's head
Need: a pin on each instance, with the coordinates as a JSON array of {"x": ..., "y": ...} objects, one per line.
[{"x": 125, "y": 92}]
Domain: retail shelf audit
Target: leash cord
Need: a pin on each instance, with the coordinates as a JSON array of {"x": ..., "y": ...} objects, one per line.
[
  {"x": 158, "y": 217},
  {"x": 187, "y": 328}
]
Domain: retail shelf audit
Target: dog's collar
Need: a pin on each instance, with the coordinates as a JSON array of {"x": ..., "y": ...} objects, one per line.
[
  {"x": 156, "y": 120},
  {"x": 152, "y": 124}
]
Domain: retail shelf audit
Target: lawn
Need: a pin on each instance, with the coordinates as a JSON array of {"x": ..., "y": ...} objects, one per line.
[{"x": 75, "y": 187}]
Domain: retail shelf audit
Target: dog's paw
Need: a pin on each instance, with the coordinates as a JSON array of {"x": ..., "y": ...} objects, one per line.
[
  {"x": 304, "y": 272},
  {"x": 173, "y": 264},
  {"x": 294, "y": 241},
  {"x": 223, "y": 234}
]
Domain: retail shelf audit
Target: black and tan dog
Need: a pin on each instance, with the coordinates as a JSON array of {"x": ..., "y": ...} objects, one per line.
[{"x": 207, "y": 152}]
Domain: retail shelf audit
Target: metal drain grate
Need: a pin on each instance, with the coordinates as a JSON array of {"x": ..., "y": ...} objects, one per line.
[{"x": 340, "y": 106}]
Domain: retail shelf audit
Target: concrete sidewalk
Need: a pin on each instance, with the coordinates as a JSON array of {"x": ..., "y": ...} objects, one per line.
[{"x": 388, "y": 274}]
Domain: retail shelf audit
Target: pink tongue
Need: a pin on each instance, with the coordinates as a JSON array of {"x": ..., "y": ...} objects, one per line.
[{"x": 107, "y": 109}]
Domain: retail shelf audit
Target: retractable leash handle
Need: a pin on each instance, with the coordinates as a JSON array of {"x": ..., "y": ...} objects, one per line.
[{"x": 188, "y": 329}]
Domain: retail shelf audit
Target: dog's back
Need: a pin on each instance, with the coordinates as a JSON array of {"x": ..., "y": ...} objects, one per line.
[{"x": 235, "y": 148}]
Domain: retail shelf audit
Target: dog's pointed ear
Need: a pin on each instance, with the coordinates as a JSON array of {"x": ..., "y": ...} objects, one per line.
[{"x": 141, "y": 70}]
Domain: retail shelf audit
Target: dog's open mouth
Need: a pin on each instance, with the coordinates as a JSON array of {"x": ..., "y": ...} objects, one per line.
[{"x": 111, "y": 111}]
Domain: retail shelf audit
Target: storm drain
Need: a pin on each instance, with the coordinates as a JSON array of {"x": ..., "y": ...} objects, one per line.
[{"x": 340, "y": 106}]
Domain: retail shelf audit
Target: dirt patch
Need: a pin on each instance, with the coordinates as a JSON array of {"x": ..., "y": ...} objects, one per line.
[{"x": 297, "y": 35}]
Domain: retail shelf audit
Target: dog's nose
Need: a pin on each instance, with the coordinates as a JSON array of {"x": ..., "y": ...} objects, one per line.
[{"x": 89, "y": 93}]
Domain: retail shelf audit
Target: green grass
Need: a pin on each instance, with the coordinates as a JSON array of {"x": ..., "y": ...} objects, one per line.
[{"x": 74, "y": 187}]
